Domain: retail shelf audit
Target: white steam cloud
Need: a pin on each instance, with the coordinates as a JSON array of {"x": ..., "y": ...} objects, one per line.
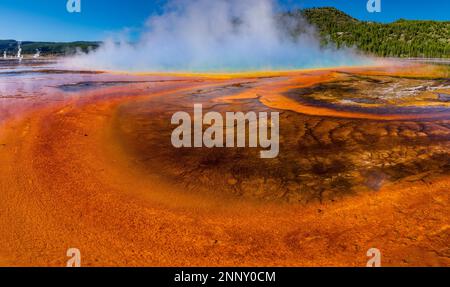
[{"x": 218, "y": 35}]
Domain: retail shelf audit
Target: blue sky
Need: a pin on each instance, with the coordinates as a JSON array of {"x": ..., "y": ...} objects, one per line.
[{"x": 48, "y": 20}]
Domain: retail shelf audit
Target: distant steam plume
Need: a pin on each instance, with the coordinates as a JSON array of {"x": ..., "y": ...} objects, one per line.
[{"x": 218, "y": 35}]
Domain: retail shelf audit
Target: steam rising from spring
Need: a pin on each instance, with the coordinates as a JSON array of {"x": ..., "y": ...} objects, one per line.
[
  {"x": 19, "y": 51},
  {"x": 37, "y": 54},
  {"x": 218, "y": 35}
]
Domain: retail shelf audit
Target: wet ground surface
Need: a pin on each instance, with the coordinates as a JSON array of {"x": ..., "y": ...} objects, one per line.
[
  {"x": 321, "y": 158},
  {"x": 375, "y": 94},
  {"x": 87, "y": 158}
]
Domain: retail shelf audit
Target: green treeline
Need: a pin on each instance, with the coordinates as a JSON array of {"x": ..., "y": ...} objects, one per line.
[
  {"x": 403, "y": 38},
  {"x": 46, "y": 48}
]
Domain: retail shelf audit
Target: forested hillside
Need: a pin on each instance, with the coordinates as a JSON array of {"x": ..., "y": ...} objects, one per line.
[
  {"x": 403, "y": 38},
  {"x": 46, "y": 48}
]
